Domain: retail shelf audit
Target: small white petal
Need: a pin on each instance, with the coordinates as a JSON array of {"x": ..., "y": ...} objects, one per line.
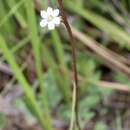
[
  {"x": 56, "y": 12},
  {"x": 43, "y": 14},
  {"x": 49, "y": 11},
  {"x": 43, "y": 23},
  {"x": 57, "y": 20},
  {"x": 51, "y": 26}
]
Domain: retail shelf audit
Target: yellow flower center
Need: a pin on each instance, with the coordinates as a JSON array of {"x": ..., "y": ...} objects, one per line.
[{"x": 50, "y": 18}]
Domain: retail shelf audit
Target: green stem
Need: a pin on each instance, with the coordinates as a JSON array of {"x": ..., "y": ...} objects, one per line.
[
  {"x": 37, "y": 50},
  {"x": 73, "y": 108},
  {"x": 23, "y": 82}
]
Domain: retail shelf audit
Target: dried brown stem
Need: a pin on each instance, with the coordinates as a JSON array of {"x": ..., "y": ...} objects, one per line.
[
  {"x": 49, "y": 2},
  {"x": 110, "y": 60},
  {"x": 72, "y": 42},
  {"x": 107, "y": 84}
]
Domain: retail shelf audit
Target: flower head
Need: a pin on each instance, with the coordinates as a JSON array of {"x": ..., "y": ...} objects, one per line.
[{"x": 50, "y": 18}]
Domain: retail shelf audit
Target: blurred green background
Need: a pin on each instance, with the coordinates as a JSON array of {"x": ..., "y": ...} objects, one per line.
[{"x": 36, "y": 65}]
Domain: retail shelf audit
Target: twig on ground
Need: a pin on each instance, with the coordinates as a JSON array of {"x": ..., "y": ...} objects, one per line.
[
  {"x": 113, "y": 85},
  {"x": 111, "y": 61}
]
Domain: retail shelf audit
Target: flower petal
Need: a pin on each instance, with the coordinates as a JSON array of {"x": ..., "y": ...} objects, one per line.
[
  {"x": 56, "y": 12},
  {"x": 43, "y": 23},
  {"x": 57, "y": 20},
  {"x": 51, "y": 26},
  {"x": 43, "y": 14},
  {"x": 49, "y": 11}
]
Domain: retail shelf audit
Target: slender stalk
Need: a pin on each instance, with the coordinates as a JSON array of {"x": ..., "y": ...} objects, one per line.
[
  {"x": 24, "y": 84},
  {"x": 72, "y": 42},
  {"x": 63, "y": 82},
  {"x": 73, "y": 108},
  {"x": 37, "y": 55},
  {"x": 49, "y": 2}
]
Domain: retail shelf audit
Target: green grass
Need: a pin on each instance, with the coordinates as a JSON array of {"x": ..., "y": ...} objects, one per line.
[
  {"x": 37, "y": 53},
  {"x": 24, "y": 84},
  {"x": 20, "y": 35},
  {"x": 114, "y": 31}
]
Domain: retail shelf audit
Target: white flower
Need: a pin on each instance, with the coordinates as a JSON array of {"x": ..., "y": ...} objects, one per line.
[{"x": 50, "y": 18}]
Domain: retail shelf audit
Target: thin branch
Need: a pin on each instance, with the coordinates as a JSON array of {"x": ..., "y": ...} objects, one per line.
[
  {"x": 72, "y": 42},
  {"x": 73, "y": 108},
  {"x": 110, "y": 60},
  {"x": 114, "y": 86},
  {"x": 107, "y": 84},
  {"x": 49, "y": 2}
]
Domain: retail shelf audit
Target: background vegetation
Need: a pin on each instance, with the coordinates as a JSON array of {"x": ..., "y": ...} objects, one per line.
[{"x": 36, "y": 73}]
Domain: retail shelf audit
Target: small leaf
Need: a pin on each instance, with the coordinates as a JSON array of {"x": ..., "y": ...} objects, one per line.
[{"x": 100, "y": 126}]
